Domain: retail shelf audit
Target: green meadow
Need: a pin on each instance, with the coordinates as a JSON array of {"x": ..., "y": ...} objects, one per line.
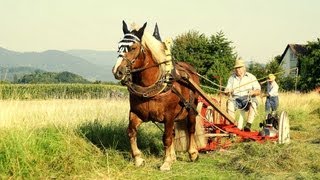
[{"x": 85, "y": 138}]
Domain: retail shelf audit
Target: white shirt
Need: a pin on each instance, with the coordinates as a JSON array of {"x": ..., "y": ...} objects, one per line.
[
  {"x": 241, "y": 87},
  {"x": 272, "y": 88}
]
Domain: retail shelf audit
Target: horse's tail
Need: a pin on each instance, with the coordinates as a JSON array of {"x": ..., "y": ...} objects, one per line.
[
  {"x": 181, "y": 130},
  {"x": 181, "y": 142}
]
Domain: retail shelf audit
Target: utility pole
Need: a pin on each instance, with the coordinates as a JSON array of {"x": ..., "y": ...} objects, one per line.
[{"x": 295, "y": 85}]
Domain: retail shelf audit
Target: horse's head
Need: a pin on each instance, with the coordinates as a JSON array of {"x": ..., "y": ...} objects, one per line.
[{"x": 129, "y": 49}]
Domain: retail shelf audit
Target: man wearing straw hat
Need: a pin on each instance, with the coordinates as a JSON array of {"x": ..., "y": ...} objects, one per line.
[{"x": 242, "y": 87}]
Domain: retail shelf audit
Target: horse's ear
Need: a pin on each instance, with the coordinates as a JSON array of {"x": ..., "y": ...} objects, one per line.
[
  {"x": 141, "y": 31},
  {"x": 125, "y": 28},
  {"x": 156, "y": 33}
]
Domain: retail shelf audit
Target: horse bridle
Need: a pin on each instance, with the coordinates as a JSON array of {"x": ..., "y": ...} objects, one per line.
[
  {"x": 130, "y": 62},
  {"x": 129, "y": 70},
  {"x": 163, "y": 82}
]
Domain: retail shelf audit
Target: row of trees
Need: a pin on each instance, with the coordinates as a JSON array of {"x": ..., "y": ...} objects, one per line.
[
  {"x": 41, "y": 77},
  {"x": 214, "y": 58},
  {"x": 310, "y": 66}
]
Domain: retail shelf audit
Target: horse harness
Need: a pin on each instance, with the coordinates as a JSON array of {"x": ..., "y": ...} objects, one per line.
[{"x": 169, "y": 73}]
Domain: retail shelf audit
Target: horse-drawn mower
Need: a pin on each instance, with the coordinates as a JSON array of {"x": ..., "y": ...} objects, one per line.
[{"x": 219, "y": 129}]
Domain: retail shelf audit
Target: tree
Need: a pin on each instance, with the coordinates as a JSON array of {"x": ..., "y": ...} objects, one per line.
[
  {"x": 52, "y": 77},
  {"x": 211, "y": 56},
  {"x": 273, "y": 67},
  {"x": 289, "y": 83},
  {"x": 258, "y": 70},
  {"x": 309, "y": 66}
]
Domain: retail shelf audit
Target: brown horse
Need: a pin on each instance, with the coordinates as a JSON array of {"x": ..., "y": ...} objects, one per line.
[{"x": 159, "y": 91}]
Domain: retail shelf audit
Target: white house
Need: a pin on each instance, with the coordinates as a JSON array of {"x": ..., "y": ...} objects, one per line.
[{"x": 289, "y": 58}]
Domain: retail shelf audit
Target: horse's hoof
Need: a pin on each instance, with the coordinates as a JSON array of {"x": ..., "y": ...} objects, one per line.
[
  {"x": 166, "y": 166},
  {"x": 174, "y": 159},
  {"x": 139, "y": 162},
  {"x": 194, "y": 156}
]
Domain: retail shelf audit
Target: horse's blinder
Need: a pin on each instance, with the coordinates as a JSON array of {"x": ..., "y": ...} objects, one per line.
[{"x": 129, "y": 67}]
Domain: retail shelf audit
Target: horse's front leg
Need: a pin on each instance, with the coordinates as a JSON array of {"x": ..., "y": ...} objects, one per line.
[
  {"x": 170, "y": 155},
  {"x": 193, "y": 151},
  {"x": 134, "y": 123}
]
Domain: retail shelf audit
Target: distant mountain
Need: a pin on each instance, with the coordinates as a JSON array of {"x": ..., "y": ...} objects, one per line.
[
  {"x": 104, "y": 58},
  {"x": 89, "y": 65}
]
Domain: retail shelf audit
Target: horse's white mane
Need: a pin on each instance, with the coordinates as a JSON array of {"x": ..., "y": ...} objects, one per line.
[{"x": 149, "y": 42}]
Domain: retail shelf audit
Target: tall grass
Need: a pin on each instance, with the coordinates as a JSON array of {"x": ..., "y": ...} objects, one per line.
[
  {"x": 44, "y": 138},
  {"x": 86, "y": 139},
  {"x": 67, "y": 112},
  {"x": 61, "y": 91},
  {"x": 48, "y": 152}
]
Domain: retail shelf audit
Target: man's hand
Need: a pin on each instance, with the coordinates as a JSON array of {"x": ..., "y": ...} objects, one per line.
[
  {"x": 228, "y": 92},
  {"x": 263, "y": 82}
]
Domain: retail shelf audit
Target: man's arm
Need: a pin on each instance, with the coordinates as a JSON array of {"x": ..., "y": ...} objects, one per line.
[
  {"x": 255, "y": 92},
  {"x": 228, "y": 90},
  {"x": 256, "y": 88}
]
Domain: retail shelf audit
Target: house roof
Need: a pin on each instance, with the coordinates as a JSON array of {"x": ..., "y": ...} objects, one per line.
[{"x": 295, "y": 48}]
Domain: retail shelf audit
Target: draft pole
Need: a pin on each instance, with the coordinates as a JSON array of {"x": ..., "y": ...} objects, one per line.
[{"x": 220, "y": 88}]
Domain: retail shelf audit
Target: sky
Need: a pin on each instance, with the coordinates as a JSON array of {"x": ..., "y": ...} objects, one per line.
[{"x": 258, "y": 29}]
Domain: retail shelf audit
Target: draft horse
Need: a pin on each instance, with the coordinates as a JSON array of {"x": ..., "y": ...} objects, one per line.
[{"x": 158, "y": 92}]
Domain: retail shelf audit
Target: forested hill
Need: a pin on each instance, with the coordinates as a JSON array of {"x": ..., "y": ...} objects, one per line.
[{"x": 51, "y": 77}]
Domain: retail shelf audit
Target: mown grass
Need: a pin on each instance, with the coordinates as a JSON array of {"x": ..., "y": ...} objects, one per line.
[{"x": 86, "y": 139}]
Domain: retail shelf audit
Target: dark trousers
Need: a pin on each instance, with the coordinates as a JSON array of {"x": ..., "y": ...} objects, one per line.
[{"x": 272, "y": 103}]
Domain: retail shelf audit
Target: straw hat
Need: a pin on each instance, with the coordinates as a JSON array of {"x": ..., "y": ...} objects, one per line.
[
  {"x": 239, "y": 63},
  {"x": 272, "y": 77}
]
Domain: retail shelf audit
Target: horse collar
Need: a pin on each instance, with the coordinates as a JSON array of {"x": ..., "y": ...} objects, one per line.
[{"x": 163, "y": 84}]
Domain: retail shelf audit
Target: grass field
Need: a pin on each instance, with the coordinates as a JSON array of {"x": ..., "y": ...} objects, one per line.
[{"x": 86, "y": 139}]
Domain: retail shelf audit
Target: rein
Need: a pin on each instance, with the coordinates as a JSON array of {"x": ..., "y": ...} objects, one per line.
[{"x": 145, "y": 67}]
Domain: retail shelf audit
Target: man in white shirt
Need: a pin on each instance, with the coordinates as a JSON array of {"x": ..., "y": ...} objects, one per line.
[{"x": 242, "y": 87}]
